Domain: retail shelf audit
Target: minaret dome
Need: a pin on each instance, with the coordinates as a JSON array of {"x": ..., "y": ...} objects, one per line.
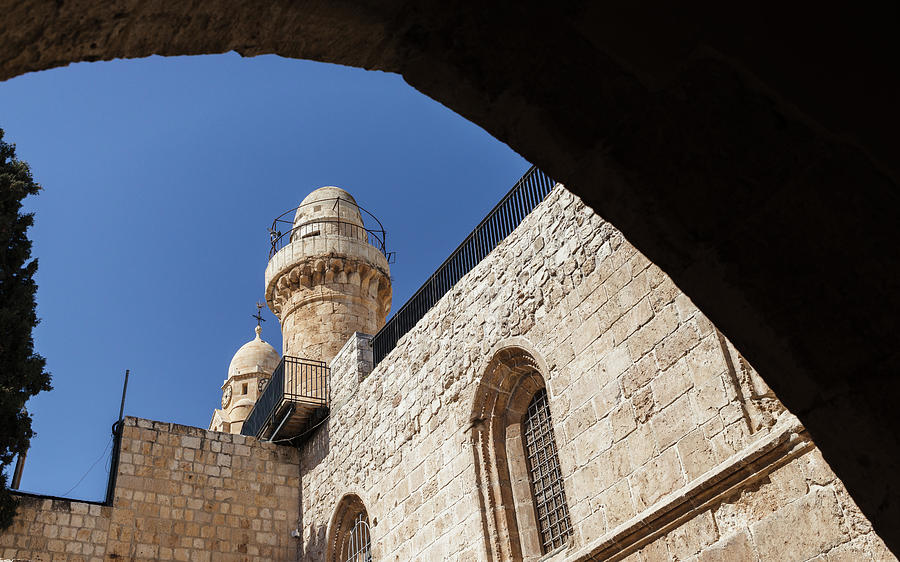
[{"x": 328, "y": 202}]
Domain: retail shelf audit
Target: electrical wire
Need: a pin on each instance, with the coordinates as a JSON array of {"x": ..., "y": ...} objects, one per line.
[
  {"x": 305, "y": 433},
  {"x": 101, "y": 457}
]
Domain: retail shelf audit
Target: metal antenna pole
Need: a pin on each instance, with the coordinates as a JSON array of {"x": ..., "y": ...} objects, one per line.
[
  {"x": 117, "y": 444},
  {"x": 124, "y": 388}
]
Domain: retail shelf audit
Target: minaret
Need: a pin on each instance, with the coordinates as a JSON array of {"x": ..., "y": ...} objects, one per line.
[
  {"x": 249, "y": 371},
  {"x": 327, "y": 281}
]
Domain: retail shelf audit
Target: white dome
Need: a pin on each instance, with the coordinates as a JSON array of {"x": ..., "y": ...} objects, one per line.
[{"x": 253, "y": 357}]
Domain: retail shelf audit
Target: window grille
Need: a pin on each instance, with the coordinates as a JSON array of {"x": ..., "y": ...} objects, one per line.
[
  {"x": 358, "y": 547},
  {"x": 546, "y": 477}
]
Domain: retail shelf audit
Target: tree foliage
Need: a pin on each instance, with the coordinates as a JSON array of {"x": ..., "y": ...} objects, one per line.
[{"x": 22, "y": 373}]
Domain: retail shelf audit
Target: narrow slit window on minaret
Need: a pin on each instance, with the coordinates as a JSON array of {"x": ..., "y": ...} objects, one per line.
[{"x": 244, "y": 388}]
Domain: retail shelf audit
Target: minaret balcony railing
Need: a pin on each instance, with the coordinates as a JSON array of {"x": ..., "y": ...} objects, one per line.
[
  {"x": 295, "y": 398},
  {"x": 347, "y": 212}
]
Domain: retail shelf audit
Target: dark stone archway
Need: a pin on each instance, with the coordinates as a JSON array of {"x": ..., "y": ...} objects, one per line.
[{"x": 752, "y": 156}]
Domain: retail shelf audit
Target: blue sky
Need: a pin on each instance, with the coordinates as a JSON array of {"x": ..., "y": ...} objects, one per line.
[{"x": 160, "y": 177}]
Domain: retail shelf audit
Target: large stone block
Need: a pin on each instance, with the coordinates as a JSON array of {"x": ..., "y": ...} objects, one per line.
[
  {"x": 692, "y": 536},
  {"x": 802, "y": 529},
  {"x": 657, "y": 478},
  {"x": 732, "y": 548},
  {"x": 673, "y": 422}
]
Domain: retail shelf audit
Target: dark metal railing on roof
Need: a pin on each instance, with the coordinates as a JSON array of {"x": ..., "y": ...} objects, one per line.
[
  {"x": 295, "y": 382},
  {"x": 525, "y": 195}
]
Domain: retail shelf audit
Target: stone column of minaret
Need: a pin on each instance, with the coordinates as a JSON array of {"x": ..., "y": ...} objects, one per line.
[
  {"x": 249, "y": 371},
  {"x": 328, "y": 281}
]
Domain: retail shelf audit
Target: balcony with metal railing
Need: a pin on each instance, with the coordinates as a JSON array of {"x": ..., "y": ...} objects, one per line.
[{"x": 294, "y": 400}]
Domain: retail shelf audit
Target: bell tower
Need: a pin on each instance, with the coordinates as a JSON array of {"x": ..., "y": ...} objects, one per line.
[
  {"x": 327, "y": 275},
  {"x": 249, "y": 371}
]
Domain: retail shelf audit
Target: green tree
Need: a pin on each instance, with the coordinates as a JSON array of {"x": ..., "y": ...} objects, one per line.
[{"x": 22, "y": 373}]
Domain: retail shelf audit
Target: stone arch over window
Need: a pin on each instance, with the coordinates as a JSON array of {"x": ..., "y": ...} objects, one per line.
[
  {"x": 513, "y": 381},
  {"x": 349, "y": 534}
]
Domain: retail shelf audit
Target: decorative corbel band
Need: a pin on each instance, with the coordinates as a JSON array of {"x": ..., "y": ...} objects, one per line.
[{"x": 369, "y": 280}]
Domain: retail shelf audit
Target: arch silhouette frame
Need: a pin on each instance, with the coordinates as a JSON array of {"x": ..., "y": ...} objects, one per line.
[{"x": 726, "y": 149}]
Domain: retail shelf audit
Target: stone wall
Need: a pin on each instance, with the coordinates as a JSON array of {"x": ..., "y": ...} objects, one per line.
[
  {"x": 670, "y": 444},
  {"x": 57, "y": 529},
  {"x": 352, "y": 363},
  {"x": 182, "y": 493}
]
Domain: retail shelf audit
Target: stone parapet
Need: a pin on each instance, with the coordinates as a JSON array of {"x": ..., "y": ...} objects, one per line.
[
  {"x": 47, "y": 529},
  {"x": 182, "y": 493},
  {"x": 350, "y": 366}
]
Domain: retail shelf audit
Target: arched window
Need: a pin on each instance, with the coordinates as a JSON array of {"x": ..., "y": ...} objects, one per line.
[
  {"x": 545, "y": 474},
  {"x": 350, "y": 539},
  {"x": 517, "y": 465}
]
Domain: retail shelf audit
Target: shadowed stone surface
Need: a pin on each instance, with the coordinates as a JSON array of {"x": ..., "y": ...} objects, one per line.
[{"x": 752, "y": 156}]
